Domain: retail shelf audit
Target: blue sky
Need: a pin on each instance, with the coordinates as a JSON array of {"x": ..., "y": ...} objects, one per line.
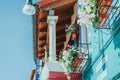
[{"x": 16, "y": 49}]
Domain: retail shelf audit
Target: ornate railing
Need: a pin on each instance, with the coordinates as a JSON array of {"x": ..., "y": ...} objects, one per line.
[{"x": 106, "y": 9}]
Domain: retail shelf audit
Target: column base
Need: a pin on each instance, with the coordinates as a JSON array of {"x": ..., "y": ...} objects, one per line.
[{"x": 51, "y": 66}]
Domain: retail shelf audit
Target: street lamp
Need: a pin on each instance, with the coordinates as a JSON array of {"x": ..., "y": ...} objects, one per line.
[{"x": 29, "y": 8}]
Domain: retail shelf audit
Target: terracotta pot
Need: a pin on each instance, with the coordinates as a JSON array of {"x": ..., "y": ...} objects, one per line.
[{"x": 74, "y": 35}]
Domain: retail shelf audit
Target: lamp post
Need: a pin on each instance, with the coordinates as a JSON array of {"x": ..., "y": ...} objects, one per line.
[{"x": 29, "y": 8}]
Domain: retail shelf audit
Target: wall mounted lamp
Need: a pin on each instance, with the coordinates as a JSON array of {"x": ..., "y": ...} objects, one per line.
[{"x": 29, "y": 8}]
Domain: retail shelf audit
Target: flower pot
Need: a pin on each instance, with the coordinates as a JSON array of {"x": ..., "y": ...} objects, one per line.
[{"x": 74, "y": 35}]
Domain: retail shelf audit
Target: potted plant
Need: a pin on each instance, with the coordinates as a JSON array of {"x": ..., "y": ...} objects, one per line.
[
  {"x": 73, "y": 30},
  {"x": 67, "y": 59}
]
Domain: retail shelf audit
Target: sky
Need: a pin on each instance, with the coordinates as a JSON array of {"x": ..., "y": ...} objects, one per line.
[{"x": 16, "y": 45}]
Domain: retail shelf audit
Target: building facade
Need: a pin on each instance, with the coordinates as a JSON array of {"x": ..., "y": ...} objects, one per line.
[
  {"x": 98, "y": 57},
  {"x": 104, "y": 49}
]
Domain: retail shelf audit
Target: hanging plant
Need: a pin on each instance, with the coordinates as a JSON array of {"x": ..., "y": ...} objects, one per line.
[{"x": 87, "y": 12}]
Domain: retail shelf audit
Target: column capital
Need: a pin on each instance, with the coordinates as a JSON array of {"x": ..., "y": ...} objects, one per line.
[{"x": 52, "y": 18}]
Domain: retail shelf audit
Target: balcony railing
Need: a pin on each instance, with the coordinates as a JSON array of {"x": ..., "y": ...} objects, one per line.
[
  {"x": 82, "y": 56},
  {"x": 108, "y": 13}
]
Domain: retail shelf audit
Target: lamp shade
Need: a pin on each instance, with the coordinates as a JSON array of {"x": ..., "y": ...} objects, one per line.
[{"x": 29, "y": 9}]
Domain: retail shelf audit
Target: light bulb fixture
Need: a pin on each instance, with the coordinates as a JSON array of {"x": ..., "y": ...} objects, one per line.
[{"x": 29, "y": 8}]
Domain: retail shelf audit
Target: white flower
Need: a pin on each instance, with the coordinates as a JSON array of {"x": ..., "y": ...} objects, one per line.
[
  {"x": 64, "y": 52},
  {"x": 67, "y": 59},
  {"x": 92, "y": 15},
  {"x": 92, "y": 4},
  {"x": 86, "y": 13},
  {"x": 88, "y": 9}
]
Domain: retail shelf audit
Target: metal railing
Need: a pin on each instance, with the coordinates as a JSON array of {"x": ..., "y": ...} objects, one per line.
[
  {"x": 113, "y": 11},
  {"x": 112, "y": 8}
]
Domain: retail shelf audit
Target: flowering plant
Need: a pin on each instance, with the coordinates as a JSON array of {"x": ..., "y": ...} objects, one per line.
[
  {"x": 87, "y": 12},
  {"x": 67, "y": 59},
  {"x": 72, "y": 29}
]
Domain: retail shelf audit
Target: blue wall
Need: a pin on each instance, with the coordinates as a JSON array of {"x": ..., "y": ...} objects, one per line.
[{"x": 104, "y": 51}]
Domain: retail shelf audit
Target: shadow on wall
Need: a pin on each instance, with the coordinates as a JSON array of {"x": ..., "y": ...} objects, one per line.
[
  {"x": 104, "y": 65},
  {"x": 89, "y": 72},
  {"x": 119, "y": 54},
  {"x": 116, "y": 38}
]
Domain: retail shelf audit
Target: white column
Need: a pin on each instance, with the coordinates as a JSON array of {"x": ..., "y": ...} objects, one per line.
[{"x": 52, "y": 41}]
